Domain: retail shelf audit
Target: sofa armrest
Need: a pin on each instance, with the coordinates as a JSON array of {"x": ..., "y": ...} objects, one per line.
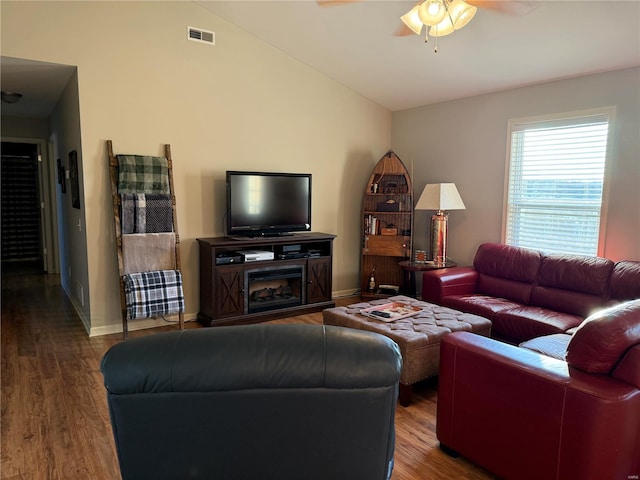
[
  {"x": 437, "y": 284},
  {"x": 521, "y": 414}
]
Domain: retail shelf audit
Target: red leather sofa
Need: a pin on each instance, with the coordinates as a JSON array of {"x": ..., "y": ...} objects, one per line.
[
  {"x": 523, "y": 414},
  {"x": 527, "y": 294}
]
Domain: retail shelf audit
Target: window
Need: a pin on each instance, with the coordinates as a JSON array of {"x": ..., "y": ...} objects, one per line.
[{"x": 556, "y": 182}]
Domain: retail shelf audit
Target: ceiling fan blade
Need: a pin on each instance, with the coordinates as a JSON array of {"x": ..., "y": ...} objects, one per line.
[
  {"x": 403, "y": 31},
  {"x": 509, "y": 7}
]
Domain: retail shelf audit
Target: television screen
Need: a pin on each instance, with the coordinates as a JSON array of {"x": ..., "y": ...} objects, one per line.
[{"x": 262, "y": 203}]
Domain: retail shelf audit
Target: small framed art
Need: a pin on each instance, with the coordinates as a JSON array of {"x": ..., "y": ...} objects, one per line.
[
  {"x": 73, "y": 179},
  {"x": 61, "y": 177}
]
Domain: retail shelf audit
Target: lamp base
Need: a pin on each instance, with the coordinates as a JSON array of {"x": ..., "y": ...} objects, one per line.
[{"x": 439, "y": 238}]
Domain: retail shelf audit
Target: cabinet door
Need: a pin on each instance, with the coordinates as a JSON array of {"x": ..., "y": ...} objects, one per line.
[
  {"x": 318, "y": 280},
  {"x": 229, "y": 291}
]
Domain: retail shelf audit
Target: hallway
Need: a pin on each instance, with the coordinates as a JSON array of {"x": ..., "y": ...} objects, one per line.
[{"x": 54, "y": 414}]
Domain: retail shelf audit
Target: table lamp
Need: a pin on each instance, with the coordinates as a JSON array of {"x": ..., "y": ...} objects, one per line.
[{"x": 439, "y": 197}]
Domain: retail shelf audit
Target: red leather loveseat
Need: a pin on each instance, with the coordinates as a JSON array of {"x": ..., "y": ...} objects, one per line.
[
  {"x": 570, "y": 413},
  {"x": 527, "y": 294}
]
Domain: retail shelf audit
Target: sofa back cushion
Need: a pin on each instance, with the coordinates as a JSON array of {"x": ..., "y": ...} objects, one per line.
[
  {"x": 625, "y": 281},
  {"x": 604, "y": 338},
  {"x": 506, "y": 271},
  {"x": 574, "y": 284},
  {"x": 208, "y": 403}
]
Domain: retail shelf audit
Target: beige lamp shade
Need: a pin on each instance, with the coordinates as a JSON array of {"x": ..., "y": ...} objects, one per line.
[{"x": 440, "y": 196}]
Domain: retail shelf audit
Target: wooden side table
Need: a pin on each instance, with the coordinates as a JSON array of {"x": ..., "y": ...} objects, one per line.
[{"x": 410, "y": 268}]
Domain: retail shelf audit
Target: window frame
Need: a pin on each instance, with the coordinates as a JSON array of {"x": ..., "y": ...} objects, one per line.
[{"x": 558, "y": 119}]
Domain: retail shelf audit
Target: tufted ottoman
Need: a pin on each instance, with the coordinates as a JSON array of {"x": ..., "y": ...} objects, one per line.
[{"x": 417, "y": 336}]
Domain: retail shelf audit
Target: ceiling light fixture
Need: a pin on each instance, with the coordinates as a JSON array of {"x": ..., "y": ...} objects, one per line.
[
  {"x": 10, "y": 97},
  {"x": 441, "y": 17}
]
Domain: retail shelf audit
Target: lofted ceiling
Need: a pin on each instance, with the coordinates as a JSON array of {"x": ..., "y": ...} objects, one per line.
[{"x": 353, "y": 42}]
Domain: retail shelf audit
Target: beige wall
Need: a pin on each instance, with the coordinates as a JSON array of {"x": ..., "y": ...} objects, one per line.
[
  {"x": 237, "y": 105},
  {"x": 464, "y": 142}
]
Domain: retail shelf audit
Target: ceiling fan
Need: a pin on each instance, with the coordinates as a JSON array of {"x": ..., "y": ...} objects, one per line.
[
  {"x": 511, "y": 7},
  {"x": 443, "y": 17}
]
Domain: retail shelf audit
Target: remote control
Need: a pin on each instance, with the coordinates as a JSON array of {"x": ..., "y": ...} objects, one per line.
[{"x": 380, "y": 313}]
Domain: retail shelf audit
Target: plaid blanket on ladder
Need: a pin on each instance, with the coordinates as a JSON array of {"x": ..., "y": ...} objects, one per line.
[
  {"x": 142, "y": 174},
  {"x": 151, "y": 294}
]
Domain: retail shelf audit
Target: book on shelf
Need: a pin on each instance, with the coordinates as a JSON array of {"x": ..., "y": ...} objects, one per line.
[{"x": 371, "y": 225}]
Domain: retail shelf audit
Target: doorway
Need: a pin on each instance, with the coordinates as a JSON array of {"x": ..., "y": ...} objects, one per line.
[{"x": 22, "y": 244}]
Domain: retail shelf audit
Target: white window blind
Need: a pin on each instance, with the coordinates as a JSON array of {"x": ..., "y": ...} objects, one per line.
[{"x": 556, "y": 177}]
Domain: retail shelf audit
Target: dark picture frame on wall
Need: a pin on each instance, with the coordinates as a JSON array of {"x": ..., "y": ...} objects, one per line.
[
  {"x": 61, "y": 177},
  {"x": 73, "y": 179}
]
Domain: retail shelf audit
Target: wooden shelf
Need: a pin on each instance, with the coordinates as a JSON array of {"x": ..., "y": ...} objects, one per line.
[{"x": 387, "y": 204}]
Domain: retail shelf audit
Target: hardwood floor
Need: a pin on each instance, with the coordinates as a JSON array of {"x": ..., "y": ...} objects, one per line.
[{"x": 55, "y": 422}]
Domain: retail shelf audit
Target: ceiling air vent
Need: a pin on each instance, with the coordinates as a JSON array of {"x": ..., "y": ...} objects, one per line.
[{"x": 200, "y": 35}]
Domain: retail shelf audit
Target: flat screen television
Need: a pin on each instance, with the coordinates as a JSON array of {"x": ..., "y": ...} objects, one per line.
[{"x": 267, "y": 204}]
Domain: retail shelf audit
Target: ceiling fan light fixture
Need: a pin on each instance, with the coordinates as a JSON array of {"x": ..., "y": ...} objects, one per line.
[
  {"x": 445, "y": 27},
  {"x": 431, "y": 12},
  {"x": 461, "y": 13},
  {"x": 441, "y": 17},
  {"x": 10, "y": 97},
  {"x": 412, "y": 20}
]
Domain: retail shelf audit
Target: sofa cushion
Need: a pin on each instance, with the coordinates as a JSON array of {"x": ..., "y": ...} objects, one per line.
[
  {"x": 605, "y": 337},
  {"x": 482, "y": 305},
  {"x": 506, "y": 271},
  {"x": 518, "y": 292},
  {"x": 625, "y": 281},
  {"x": 574, "y": 284},
  {"x": 567, "y": 301},
  {"x": 522, "y": 323},
  {"x": 554, "y": 346},
  {"x": 578, "y": 273}
]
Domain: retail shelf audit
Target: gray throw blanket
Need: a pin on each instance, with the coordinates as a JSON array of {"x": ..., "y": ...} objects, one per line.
[
  {"x": 146, "y": 213},
  {"x": 159, "y": 216}
]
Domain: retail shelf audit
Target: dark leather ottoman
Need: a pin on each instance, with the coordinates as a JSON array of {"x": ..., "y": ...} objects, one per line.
[{"x": 418, "y": 336}]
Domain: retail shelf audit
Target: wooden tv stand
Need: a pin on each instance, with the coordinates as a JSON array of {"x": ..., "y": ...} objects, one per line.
[{"x": 296, "y": 281}]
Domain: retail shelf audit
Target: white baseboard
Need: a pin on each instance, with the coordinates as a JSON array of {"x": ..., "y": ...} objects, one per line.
[
  {"x": 140, "y": 324},
  {"x": 86, "y": 322},
  {"x": 145, "y": 323}
]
